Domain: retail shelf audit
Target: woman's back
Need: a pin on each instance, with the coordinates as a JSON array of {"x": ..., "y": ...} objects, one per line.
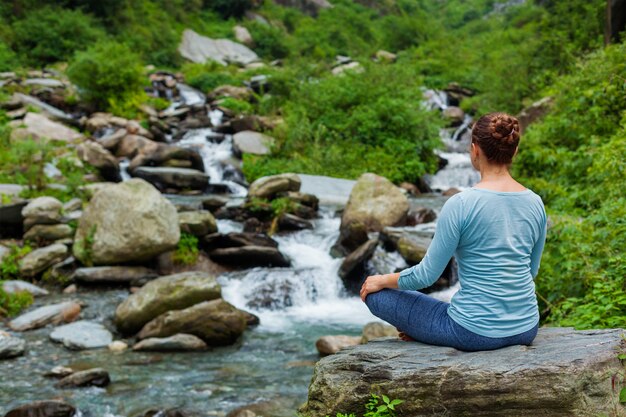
[{"x": 500, "y": 239}]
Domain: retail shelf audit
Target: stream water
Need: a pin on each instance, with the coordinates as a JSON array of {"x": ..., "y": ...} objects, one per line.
[{"x": 272, "y": 364}]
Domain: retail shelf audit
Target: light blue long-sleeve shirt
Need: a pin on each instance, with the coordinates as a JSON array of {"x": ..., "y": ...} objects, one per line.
[{"x": 497, "y": 239}]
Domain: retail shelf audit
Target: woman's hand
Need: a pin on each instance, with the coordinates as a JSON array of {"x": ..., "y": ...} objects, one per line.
[{"x": 375, "y": 283}]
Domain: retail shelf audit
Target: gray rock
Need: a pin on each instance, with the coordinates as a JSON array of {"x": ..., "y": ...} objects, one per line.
[
  {"x": 329, "y": 345},
  {"x": 49, "y": 232},
  {"x": 351, "y": 66},
  {"x": 41, "y": 259},
  {"x": 352, "y": 267},
  {"x": 565, "y": 373},
  {"x": 172, "y": 292},
  {"x": 43, "y": 210},
  {"x": 38, "y": 126},
  {"x": 82, "y": 335},
  {"x": 64, "y": 312},
  {"x": 454, "y": 115},
  {"x": 47, "y": 408},
  {"x": 216, "y": 322},
  {"x": 200, "y": 49},
  {"x": 44, "y": 82},
  {"x": 178, "y": 343},
  {"x": 126, "y": 275},
  {"x": 75, "y": 204},
  {"x": 376, "y": 203},
  {"x": 242, "y": 35},
  {"x": 376, "y": 330},
  {"x": 11, "y": 190},
  {"x": 252, "y": 142},
  {"x": 130, "y": 221},
  {"x": 249, "y": 256},
  {"x": 198, "y": 223},
  {"x": 97, "y": 156},
  {"x": 237, "y": 239},
  {"x": 11, "y": 347},
  {"x": 165, "y": 177},
  {"x": 4, "y": 252},
  {"x": 97, "y": 377},
  {"x": 268, "y": 187},
  {"x": 14, "y": 286},
  {"x": 288, "y": 221},
  {"x": 412, "y": 245},
  {"x": 51, "y": 111}
]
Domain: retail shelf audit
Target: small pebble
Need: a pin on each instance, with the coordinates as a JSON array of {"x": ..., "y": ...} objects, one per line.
[
  {"x": 118, "y": 346},
  {"x": 71, "y": 289}
]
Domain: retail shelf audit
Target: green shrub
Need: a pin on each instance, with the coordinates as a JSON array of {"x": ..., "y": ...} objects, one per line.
[
  {"x": 108, "y": 73},
  {"x": 52, "y": 34},
  {"x": 9, "y": 268},
  {"x": 12, "y": 304},
  {"x": 187, "y": 250},
  {"x": 238, "y": 106},
  {"x": 269, "y": 41},
  {"x": 359, "y": 122},
  {"x": 8, "y": 59},
  {"x": 206, "y": 77}
]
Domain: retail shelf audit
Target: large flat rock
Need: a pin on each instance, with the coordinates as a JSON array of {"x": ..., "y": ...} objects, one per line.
[{"x": 565, "y": 373}]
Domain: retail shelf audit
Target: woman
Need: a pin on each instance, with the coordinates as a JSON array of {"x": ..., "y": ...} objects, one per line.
[{"x": 496, "y": 230}]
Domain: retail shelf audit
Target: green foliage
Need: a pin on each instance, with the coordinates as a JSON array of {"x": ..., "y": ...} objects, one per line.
[
  {"x": 12, "y": 304},
  {"x": 51, "y": 34},
  {"x": 8, "y": 59},
  {"x": 376, "y": 409},
  {"x": 108, "y": 73},
  {"x": 346, "y": 125},
  {"x": 575, "y": 158},
  {"x": 269, "y": 41},
  {"x": 238, "y": 106},
  {"x": 206, "y": 77},
  {"x": 23, "y": 161},
  {"x": 187, "y": 250}
]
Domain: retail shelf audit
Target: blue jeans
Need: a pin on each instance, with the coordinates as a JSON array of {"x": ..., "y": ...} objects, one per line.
[{"x": 426, "y": 320}]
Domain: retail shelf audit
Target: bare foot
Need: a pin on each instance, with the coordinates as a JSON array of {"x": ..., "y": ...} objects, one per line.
[{"x": 405, "y": 337}]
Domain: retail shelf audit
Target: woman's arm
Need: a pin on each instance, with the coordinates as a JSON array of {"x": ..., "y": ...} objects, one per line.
[{"x": 441, "y": 249}]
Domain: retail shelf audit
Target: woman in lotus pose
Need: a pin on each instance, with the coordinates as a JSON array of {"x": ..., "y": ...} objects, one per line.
[{"x": 496, "y": 230}]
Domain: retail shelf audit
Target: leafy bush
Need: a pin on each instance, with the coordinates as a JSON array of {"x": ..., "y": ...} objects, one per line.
[
  {"x": 108, "y": 73},
  {"x": 8, "y": 59},
  {"x": 51, "y": 34},
  {"x": 187, "y": 250},
  {"x": 350, "y": 124},
  {"x": 12, "y": 304},
  {"x": 575, "y": 159},
  {"x": 269, "y": 41},
  {"x": 206, "y": 77},
  {"x": 238, "y": 106}
]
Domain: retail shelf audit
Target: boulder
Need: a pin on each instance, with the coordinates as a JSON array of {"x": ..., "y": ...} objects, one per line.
[
  {"x": 352, "y": 268},
  {"x": 254, "y": 143},
  {"x": 242, "y": 35},
  {"x": 237, "y": 239},
  {"x": 268, "y": 187},
  {"x": 130, "y": 146},
  {"x": 82, "y": 335},
  {"x": 64, "y": 312},
  {"x": 41, "y": 259},
  {"x": 376, "y": 203},
  {"x": 15, "y": 286},
  {"x": 48, "y": 408},
  {"x": 329, "y": 345},
  {"x": 240, "y": 93},
  {"x": 97, "y": 156},
  {"x": 535, "y": 112},
  {"x": 39, "y": 127},
  {"x": 421, "y": 215},
  {"x": 311, "y": 7},
  {"x": 454, "y": 115},
  {"x": 49, "y": 232},
  {"x": 412, "y": 245},
  {"x": 351, "y": 236},
  {"x": 216, "y": 322},
  {"x": 172, "y": 292},
  {"x": 385, "y": 56},
  {"x": 178, "y": 343},
  {"x": 10, "y": 346},
  {"x": 198, "y": 223},
  {"x": 43, "y": 210},
  {"x": 288, "y": 221},
  {"x": 376, "y": 330},
  {"x": 46, "y": 109},
  {"x": 249, "y": 256},
  {"x": 565, "y": 373},
  {"x": 126, "y": 275},
  {"x": 200, "y": 49},
  {"x": 180, "y": 178},
  {"x": 96, "y": 377},
  {"x": 130, "y": 221}
]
